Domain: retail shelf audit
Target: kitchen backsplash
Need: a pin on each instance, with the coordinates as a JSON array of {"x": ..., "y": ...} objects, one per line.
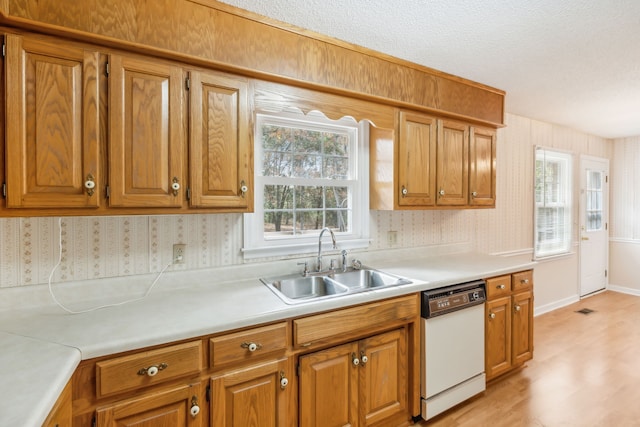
[{"x": 99, "y": 247}]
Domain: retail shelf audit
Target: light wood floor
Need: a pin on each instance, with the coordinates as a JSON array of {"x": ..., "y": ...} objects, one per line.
[{"x": 585, "y": 372}]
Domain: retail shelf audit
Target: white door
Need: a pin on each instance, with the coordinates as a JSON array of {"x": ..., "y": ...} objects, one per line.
[{"x": 594, "y": 229}]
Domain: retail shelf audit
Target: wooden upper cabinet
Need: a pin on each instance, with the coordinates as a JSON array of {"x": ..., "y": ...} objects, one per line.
[
  {"x": 52, "y": 126},
  {"x": 452, "y": 165},
  {"x": 146, "y": 141},
  {"x": 482, "y": 167},
  {"x": 416, "y": 160},
  {"x": 220, "y": 145}
]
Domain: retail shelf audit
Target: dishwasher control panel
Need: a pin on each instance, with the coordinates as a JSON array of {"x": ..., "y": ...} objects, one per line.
[{"x": 451, "y": 298}]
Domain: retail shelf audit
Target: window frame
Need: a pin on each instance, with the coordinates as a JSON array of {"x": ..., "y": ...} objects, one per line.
[
  {"x": 255, "y": 244},
  {"x": 560, "y": 241}
]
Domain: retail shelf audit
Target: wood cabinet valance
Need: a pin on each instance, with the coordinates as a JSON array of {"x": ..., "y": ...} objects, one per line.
[{"x": 209, "y": 33}]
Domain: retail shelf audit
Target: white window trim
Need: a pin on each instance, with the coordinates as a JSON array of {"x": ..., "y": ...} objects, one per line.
[
  {"x": 539, "y": 250},
  {"x": 256, "y": 246}
]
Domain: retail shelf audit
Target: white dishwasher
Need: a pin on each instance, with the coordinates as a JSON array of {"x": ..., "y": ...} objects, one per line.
[{"x": 452, "y": 347}]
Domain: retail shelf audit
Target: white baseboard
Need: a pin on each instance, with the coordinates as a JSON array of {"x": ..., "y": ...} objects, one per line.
[
  {"x": 623, "y": 290},
  {"x": 537, "y": 311}
]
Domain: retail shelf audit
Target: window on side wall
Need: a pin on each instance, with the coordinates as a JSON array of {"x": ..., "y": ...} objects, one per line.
[
  {"x": 310, "y": 172},
  {"x": 553, "y": 203}
]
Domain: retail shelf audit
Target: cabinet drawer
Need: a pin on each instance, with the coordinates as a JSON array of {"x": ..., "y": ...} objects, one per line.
[
  {"x": 332, "y": 326},
  {"x": 137, "y": 370},
  {"x": 247, "y": 345},
  {"x": 498, "y": 286},
  {"x": 522, "y": 280}
]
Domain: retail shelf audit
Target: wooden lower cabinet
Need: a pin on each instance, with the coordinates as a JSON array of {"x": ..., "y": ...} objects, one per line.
[
  {"x": 173, "y": 407},
  {"x": 363, "y": 383},
  {"x": 509, "y": 323},
  {"x": 60, "y": 415},
  {"x": 254, "y": 396}
]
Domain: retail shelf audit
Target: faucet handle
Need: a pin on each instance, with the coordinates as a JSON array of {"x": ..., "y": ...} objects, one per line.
[
  {"x": 356, "y": 264},
  {"x": 305, "y": 272},
  {"x": 332, "y": 264}
]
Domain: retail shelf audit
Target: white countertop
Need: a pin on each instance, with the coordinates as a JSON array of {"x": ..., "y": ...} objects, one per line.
[
  {"x": 33, "y": 374},
  {"x": 199, "y": 306}
]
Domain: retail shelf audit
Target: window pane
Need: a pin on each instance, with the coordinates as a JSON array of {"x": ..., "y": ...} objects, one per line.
[
  {"x": 552, "y": 203},
  {"x": 309, "y": 221},
  {"x": 307, "y": 166}
]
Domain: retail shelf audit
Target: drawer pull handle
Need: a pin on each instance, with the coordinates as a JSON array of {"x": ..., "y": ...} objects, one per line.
[
  {"x": 251, "y": 346},
  {"x": 153, "y": 370},
  {"x": 501, "y": 286},
  {"x": 524, "y": 281},
  {"x": 492, "y": 315},
  {"x": 195, "y": 409}
]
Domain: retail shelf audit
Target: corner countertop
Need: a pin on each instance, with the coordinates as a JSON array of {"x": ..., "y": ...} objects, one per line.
[{"x": 42, "y": 337}]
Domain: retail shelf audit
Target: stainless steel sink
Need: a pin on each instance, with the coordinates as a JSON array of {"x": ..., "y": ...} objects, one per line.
[
  {"x": 367, "y": 278},
  {"x": 296, "y": 289}
]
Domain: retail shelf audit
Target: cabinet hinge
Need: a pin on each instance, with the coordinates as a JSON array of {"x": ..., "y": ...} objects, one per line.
[
  {"x": 207, "y": 393},
  {"x": 188, "y": 193},
  {"x": 4, "y": 190},
  {"x": 187, "y": 83},
  {"x": 4, "y": 49},
  {"x": 107, "y": 69},
  {"x": 107, "y": 192}
]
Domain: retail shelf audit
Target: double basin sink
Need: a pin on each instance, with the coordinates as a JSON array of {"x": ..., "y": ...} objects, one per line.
[{"x": 296, "y": 289}]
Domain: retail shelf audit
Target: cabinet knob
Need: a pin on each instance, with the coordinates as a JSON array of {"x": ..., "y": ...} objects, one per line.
[
  {"x": 501, "y": 286},
  {"x": 175, "y": 186},
  {"x": 404, "y": 191},
  {"x": 195, "y": 409},
  {"x": 354, "y": 359},
  {"x": 243, "y": 188},
  {"x": 152, "y": 370},
  {"x": 284, "y": 382},
  {"x": 90, "y": 184},
  {"x": 492, "y": 315},
  {"x": 524, "y": 281},
  {"x": 251, "y": 346},
  {"x": 474, "y": 194},
  {"x": 441, "y": 192},
  {"x": 516, "y": 308},
  {"x": 363, "y": 358}
]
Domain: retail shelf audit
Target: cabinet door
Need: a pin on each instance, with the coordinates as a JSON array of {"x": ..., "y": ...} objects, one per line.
[
  {"x": 52, "y": 124},
  {"x": 522, "y": 327},
  {"x": 453, "y": 159},
  {"x": 329, "y": 387},
  {"x": 220, "y": 145},
  {"x": 482, "y": 167},
  {"x": 250, "y": 397},
  {"x": 416, "y": 160},
  {"x": 498, "y": 337},
  {"x": 166, "y": 408},
  {"x": 384, "y": 384},
  {"x": 146, "y": 139}
]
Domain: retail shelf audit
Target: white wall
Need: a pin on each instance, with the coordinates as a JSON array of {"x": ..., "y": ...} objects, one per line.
[
  {"x": 624, "y": 248},
  {"x": 97, "y": 247}
]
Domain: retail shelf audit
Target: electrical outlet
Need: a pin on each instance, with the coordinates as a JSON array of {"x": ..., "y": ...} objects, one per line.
[
  {"x": 179, "y": 253},
  {"x": 392, "y": 238}
]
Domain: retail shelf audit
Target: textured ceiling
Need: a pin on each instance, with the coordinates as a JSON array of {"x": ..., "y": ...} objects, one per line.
[{"x": 571, "y": 62}]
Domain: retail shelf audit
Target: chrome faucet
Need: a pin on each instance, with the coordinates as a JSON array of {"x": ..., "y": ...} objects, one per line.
[{"x": 333, "y": 240}]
